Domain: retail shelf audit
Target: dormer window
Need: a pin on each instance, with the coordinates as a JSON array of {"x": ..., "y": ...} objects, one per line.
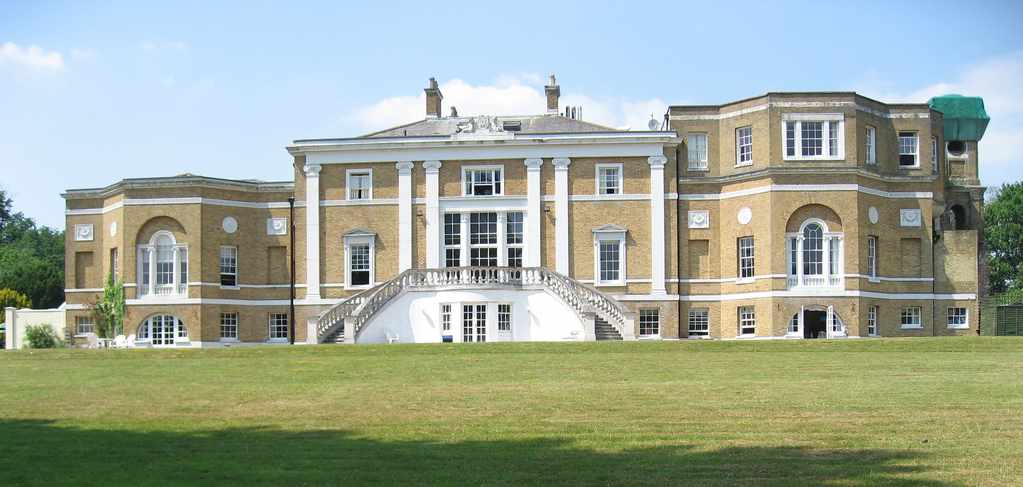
[
  {"x": 813, "y": 136},
  {"x": 483, "y": 180}
]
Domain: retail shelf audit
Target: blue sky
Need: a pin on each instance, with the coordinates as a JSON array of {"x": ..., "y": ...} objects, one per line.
[{"x": 92, "y": 93}]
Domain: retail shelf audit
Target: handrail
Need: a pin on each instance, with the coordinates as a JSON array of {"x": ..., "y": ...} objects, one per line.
[{"x": 360, "y": 308}]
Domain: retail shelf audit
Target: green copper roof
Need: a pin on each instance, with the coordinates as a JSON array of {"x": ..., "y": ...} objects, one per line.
[{"x": 965, "y": 117}]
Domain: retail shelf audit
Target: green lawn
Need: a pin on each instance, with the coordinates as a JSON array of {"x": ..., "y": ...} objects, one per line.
[{"x": 946, "y": 411}]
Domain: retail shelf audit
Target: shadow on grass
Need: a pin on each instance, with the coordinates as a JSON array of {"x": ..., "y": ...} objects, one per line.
[{"x": 41, "y": 453}]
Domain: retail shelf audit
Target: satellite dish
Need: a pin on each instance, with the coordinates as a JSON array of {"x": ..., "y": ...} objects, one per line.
[{"x": 653, "y": 124}]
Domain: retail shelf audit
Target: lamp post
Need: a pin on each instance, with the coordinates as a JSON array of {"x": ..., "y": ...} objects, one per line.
[{"x": 291, "y": 251}]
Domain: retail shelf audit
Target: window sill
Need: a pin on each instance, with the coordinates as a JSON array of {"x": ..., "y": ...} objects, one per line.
[
  {"x": 745, "y": 280},
  {"x": 874, "y": 280},
  {"x": 744, "y": 164},
  {"x": 959, "y": 327},
  {"x": 228, "y": 340},
  {"x": 359, "y": 199},
  {"x": 609, "y": 284},
  {"x": 278, "y": 340},
  {"x": 482, "y": 195},
  {"x": 746, "y": 336},
  {"x": 356, "y": 288},
  {"x": 649, "y": 337},
  {"x": 915, "y": 327},
  {"x": 698, "y": 337},
  {"x": 698, "y": 169},
  {"x": 231, "y": 288},
  {"x": 814, "y": 158}
]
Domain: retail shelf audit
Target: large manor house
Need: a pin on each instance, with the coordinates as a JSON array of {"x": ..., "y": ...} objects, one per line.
[{"x": 785, "y": 216}]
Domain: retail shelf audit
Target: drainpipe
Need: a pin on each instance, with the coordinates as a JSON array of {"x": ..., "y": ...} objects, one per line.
[
  {"x": 678, "y": 232},
  {"x": 291, "y": 296}
]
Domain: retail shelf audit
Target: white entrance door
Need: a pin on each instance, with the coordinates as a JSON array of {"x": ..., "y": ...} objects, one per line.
[{"x": 474, "y": 323}]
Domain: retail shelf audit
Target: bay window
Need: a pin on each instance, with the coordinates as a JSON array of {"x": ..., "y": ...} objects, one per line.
[
  {"x": 483, "y": 241},
  {"x": 814, "y": 136}
]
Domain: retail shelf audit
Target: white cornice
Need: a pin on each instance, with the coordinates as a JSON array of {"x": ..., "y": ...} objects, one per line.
[{"x": 917, "y": 113}]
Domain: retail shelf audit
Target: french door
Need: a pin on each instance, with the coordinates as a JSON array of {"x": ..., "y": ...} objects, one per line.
[{"x": 474, "y": 323}]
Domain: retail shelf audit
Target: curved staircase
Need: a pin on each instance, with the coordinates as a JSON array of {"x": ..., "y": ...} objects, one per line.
[{"x": 343, "y": 322}]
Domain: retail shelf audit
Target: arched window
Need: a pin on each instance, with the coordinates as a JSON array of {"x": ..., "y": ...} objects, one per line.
[
  {"x": 794, "y": 324},
  {"x": 814, "y": 256},
  {"x": 163, "y": 266},
  {"x": 813, "y": 250},
  {"x": 162, "y": 330}
]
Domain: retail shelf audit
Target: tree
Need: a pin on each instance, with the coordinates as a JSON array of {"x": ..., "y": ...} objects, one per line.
[
  {"x": 109, "y": 311},
  {"x": 12, "y": 298},
  {"x": 1003, "y": 234},
  {"x": 31, "y": 257}
]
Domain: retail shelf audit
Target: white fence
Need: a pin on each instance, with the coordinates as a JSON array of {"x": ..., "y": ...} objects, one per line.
[{"x": 18, "y": 319}]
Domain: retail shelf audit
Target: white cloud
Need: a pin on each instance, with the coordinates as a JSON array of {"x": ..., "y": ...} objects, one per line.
[
  {"x": 520, "y": 94},
  {"x": 997, "y": 80},
  {"x": 32, "y": 57}
]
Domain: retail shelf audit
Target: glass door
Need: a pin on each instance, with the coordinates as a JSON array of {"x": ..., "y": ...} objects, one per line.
[{"x": 474, "y": 323}]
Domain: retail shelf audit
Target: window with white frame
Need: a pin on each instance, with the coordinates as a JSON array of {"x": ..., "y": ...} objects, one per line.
[
  {"x": 747, "y": 321},
  {"x": 483, "y": 241},
  {"x": 452, "y": 240},
  {"x": 908, "y": 149},
  {"x": 84, "y": 324},
  {"x": 745, "y": 249},
  {"x": 934, "y": 155},
  {"x": 228, "y": 326},
  {"x": 609, "y": 261},
  {"x": 872, "y": 256},
  {"x": 697, "y": 145},
  {"x": 360, "y": 184},
  {"x": 162, "y": 330},
  {"x": 793, "y": 328},
  {"x": 359, "y": 246},
  {"x": 814, "y": 256},
  {"x": 358, "y": 264},
  {"x": 445, "y": 317},
  {"x": 911, "y": 317},
  {"x": 229, "y": 266},
  {"x": 957, "y": 318},
  {"x": 504, "y": 317},
  {"x": 743, "y": 146},
  {"x": 871, "y": 148},
  {"x": 482, "y": 181},
  {"x": 514, "y": 238},
  {"x": 609, "y": 179},
  {"x": 817, "y": 136},
  {"x": 699, "y": 322},
  {"x": 649, "y": 322},
  {"x": 163, "y": 266},
  {"x": 813, "y": 250},
  {"x": 872, "y": 321},
  {"x": 278, "y": 323}
]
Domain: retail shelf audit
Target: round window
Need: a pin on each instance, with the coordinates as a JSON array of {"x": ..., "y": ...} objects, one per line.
[{"x": 956, "y": 148}]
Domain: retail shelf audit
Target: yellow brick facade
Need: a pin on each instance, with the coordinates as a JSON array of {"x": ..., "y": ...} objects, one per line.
[{"x": 930, "y": 266}]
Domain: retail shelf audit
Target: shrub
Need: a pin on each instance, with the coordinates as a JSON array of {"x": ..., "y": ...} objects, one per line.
[{"x": 41, "y": 336}]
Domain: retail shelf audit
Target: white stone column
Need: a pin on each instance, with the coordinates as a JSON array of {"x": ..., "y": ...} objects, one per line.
[
  {"x": 826, "y": 259},
  {"x": 799, "y": 259},
  {"x": 434, "y": 223},
  {"x": 534, "y": 212},
  {"x": 464, "y": 239},
  {"x": 502, "y": 229},
  {"x": 152, "y": 270},
  {"x": 177, "y": 264},
  {"x": 404, "y": 215},
  {"x": 312, "y": 231},
  {"x": 657, "y": 264},
  {"x": 561, "y": 250}
]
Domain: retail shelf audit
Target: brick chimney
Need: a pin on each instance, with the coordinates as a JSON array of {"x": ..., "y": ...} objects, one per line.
[
  {"x": 433, "y": 99},
  {"x": 553, "y": 92}
]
